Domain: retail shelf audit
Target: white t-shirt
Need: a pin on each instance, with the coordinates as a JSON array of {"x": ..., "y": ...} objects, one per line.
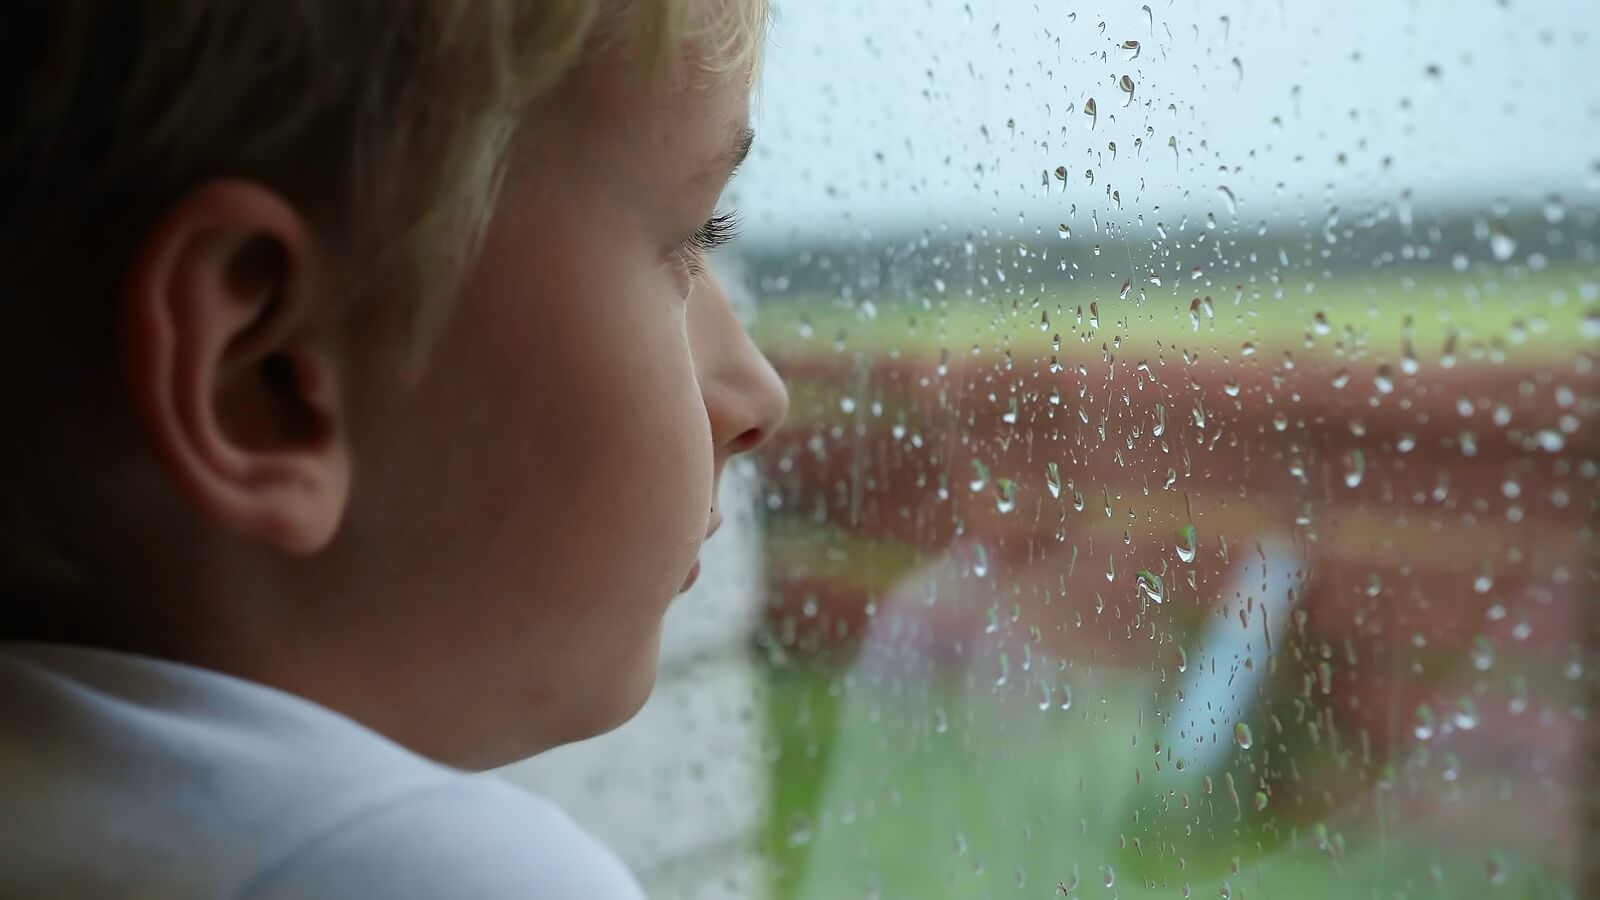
[{"x": 125, "y": 777}]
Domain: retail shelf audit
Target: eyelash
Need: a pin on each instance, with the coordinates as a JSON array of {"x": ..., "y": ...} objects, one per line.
[{"x": 717, "y": 232}]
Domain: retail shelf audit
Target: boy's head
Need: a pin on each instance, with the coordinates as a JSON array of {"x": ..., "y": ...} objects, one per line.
[{"x": 365, "y": 348}]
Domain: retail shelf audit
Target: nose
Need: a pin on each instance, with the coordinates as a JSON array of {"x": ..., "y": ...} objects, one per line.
[{"x": 745, "y": 399}]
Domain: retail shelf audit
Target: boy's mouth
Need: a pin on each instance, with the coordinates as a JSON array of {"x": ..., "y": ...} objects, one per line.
[
  {"x": 694, "y": 573},
  {"x": 694, "y": 570}
]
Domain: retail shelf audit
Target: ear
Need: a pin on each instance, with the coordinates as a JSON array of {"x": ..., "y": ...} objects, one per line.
[{"x": 228, "y": 346}]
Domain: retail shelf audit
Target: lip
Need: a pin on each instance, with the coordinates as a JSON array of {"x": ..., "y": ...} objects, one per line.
[
  {"x": 693, "y": 576},
  {"x": 694, "y": 570}
]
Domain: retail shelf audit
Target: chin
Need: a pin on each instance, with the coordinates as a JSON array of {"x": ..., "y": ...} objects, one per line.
[
  {"x": 635, "y": 690},
  {"x": 563, "y": 718},
  {"x": 625, "y": 694}
]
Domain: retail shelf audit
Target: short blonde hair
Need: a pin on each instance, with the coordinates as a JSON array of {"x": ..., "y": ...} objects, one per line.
[
  {"x": 388, "y": 123},
  {"x": 386, "y": 120}
]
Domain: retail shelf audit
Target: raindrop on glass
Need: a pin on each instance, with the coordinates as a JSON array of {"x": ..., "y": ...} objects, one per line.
[
  {"x": 1242, "y": 736},
  {"x": 1501, "y": 243},
  {"x": 1151, "y": 585},
  {"x": 1424, "y": 726},
  {"x": 1186, "y": 543}
]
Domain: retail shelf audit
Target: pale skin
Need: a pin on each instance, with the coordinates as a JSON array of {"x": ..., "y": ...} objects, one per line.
[{"x": 474, "y": 561}]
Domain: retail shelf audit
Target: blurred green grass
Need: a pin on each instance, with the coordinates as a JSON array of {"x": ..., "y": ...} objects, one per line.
[
  {"x": 873, "y": 799},
  {"x": 1527, "y": 313}
]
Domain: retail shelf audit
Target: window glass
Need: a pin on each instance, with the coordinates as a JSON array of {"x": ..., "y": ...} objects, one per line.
[{"x": 1191, "y": 478}]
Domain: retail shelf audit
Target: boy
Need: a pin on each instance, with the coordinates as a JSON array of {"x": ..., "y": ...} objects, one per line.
[{"x": 368, "y": 400}]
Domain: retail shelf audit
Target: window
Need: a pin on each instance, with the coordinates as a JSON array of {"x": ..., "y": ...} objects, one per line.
[{"x": 1190, "y": 485}]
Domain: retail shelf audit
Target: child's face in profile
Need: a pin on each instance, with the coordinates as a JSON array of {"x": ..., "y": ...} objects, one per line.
[
  {"x": 471, "y": 555},
  {"x": 521, "y": 520}
]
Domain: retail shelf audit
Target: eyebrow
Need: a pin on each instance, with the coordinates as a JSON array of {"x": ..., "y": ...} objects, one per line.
[
  {"x": 733, "y": 157},
  {"x": 742, "y": 142}
]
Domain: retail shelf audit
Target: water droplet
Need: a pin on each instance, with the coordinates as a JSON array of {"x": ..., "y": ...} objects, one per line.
[
  {"x": 1052, "y": 479},
  {"x": 1005, "y": 495},
  {"x": 1186, "y": 543},
  {"x": 1495, "y": 868},
  {"x": 1501, "y": 243},
  {"x": 980, "y": 477},
  {"x": 1227, "y": 198},
  {"x": 1383, "y": 380},
  {"x": 1259, "y": 802},
  {"x": 1408, "y": 359},
  {"x": 1183, "y": 660},
  {"x": 1425, "y": 726},
  {"x": 799, "y": 831},
  {"x": 1242, "y": 736},
  {"x": 1355, "y": 468},
  {"x": 1466, "y": 714},
  {"x": 1091, "y": 110},
  {"x": 1482, "y": 654},
  {"x": 1152, "y": 586}
]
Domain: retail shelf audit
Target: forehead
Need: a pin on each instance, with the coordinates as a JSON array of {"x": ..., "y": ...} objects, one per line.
[{"x": 675, "y": 117}]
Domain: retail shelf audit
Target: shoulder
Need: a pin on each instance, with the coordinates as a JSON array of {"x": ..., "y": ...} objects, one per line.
[{"x": 474, "y": 838}]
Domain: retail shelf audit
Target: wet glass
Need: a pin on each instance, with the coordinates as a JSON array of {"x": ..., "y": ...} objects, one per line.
[{"x": 1191, "y": 480}]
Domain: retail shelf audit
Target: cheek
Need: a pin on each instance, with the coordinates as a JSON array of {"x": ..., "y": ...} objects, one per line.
[{"x": 594, "y": 454}]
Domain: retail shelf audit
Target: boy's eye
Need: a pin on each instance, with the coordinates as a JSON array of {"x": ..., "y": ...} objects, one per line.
[{"x": 716, "y": 232}]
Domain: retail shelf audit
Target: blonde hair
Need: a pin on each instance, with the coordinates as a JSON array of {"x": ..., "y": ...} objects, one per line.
[{"x": 388, "y": 123}]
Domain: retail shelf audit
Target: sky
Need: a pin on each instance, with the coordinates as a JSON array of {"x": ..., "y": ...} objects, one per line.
[{"x": 888, "y": 114}]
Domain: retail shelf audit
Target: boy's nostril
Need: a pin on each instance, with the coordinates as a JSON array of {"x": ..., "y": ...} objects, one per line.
[{"x": 748, "y": 440}]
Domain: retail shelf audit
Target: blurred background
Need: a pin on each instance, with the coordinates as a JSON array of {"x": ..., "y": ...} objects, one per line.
[{"x": 1191, "y": 482}]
